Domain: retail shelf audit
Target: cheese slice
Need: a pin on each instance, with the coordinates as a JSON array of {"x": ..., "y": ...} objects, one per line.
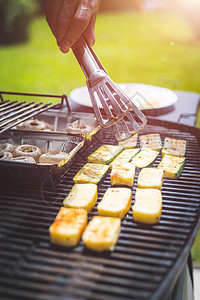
[
  {"x": 125, "y": 156},
  {"x": 130, "y": 143},
  {"x": 148, "y": 205},
  {"x": 83, "y": 195},
  {"x": 91, "y": 173},
  {"x": 172, "y": 166},
  {"x": 151, "y": 141},
  {"x": 116, "y": 202},
  {"x": 68, "y": 226},
  {"x": 104, "y": 154},
  {"x": 101, "y": 234},
  {"x": 174, "y": 147},
  {"x": 144, "y": 158},
  {"x": 123, "y": 174},
  {"x": 150, "y": 178}
]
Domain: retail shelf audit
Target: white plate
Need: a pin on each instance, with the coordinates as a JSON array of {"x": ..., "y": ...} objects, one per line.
[{"x": 143, "y": 95}]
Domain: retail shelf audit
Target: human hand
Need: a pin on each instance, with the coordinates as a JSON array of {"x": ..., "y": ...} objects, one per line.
[{"x": 69, "y": 19}]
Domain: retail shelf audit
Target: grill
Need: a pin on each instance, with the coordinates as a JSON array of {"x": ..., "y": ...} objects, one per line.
[
  {"x": 14, "y": 112},
  {"x": 147, "y": 259}
]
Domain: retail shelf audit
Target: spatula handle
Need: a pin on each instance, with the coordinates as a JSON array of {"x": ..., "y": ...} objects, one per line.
[{"x": 87, "y": 60}]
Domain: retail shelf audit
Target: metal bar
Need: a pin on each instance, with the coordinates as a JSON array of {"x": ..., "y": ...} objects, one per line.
[
  {"x": 23, "y": 114},
  {"x": 40, "y": 110},
  {"x": 15, "y": 109},
  {"x": 7, "y": 104},
  {"x": 30, "y": 94},
  {"x": 3, "y": 101},
  {"x": 61, "y": 97}
]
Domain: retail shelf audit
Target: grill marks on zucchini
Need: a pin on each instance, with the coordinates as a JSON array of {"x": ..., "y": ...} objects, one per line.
[
  {"x": 172, "y": 166},
  {"x": 151, "y": 141},
  {"x": 174, "y": 147},
  {"x": 91, "y": 173},
  {"x": 104, "y": 154},
  {"x": 144, "y": 158}
]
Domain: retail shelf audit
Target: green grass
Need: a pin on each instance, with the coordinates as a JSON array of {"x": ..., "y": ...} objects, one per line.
[
  {"x": 196, "y": 249},
  {"x": 147, "y": 48},
  {"x": 156, "y": 49}
]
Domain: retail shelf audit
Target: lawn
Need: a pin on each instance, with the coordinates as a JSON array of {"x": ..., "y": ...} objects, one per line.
[
  {"x": 147, "y": 48},
  {"x": 157, "y": 48}
]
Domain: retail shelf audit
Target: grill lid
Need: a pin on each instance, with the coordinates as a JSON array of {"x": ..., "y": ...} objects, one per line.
[{"x": 147, "y": 259}]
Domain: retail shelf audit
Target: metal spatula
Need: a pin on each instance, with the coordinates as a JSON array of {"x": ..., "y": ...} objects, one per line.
[{"x": 116, "y": 105}]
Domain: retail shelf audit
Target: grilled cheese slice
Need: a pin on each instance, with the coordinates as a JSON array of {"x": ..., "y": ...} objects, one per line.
[
  {"x": 125, "y": 156},
  {"x": 83, "y": 195},
  {"x": 68, "y": 226},
  {"x": 104, "y": 154},
  {"x": 172, "y": 166},
  {"x": 130, "y": 143},
  {"x": 150, "y": 178},
  {"x": 148, "y": 205},
  {"x": 91, "y": 173},
  {"x": 144, "y": 158},
  {"x": 123, "y": 174},
  {"x": 174, "y": 147},
  {"x": 151, "y": 141},
  {"x": 101, "y": 234},
  {"x": 116, "y": 202}
]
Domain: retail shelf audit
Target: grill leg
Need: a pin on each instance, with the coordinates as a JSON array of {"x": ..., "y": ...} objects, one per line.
[{"x": 183, "y": 289}]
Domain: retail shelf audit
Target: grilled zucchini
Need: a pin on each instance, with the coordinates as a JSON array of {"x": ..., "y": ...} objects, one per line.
[
  {"x": 150, "y": 178},
  {"x": 104, "y": 154},
  {"x": 174, "y": 147},
  {"x": 101, "y": 234},
  {"x": 91, "y": 173},
  {"x": 148, "y": 205},
  {"x": 125, "y": 156},
  {"x": 130, "y": 143},
  {"x": 123, "y": 174},
  {"x": 116, "y": 202},
  {"x": 144, "y": 158},
  {"x": 151, "y": 141},
  {"x": 68, "y": 226},
  {"x": 82, "y": 195},
  {"x": 172, "y": 166}
]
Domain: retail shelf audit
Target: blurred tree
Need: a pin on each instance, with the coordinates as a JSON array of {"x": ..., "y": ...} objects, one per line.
[{"x": 15, "y": 16}]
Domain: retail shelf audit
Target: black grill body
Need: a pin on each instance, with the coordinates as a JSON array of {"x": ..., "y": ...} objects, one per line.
[{"x": 147, "y": 259}]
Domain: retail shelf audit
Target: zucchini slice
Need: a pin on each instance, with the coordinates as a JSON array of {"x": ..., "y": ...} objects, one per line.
[
  {"x": 91, "y": 173},
  {"x": 144, "y": 158},
  {"x": 104, "y": 154},
  {"x": 125, "y": 156},
  {"x": 172, "y": 166},
  {"x": 130, "y": 143},
  {"x": 151, "y": 141},
  {"x": 174, "y": 147}
]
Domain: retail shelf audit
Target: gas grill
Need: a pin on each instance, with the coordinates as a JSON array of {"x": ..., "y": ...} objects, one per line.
[{"x": 147, "y": 259}]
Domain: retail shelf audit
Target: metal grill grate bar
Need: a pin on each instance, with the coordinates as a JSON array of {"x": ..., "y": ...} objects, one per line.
[{"x": 22, "y": 115}]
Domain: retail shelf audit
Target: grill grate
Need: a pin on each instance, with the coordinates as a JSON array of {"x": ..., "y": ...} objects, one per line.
[
  {"x": 146, "y": 261},
  {"x": 14, "y": 112}
]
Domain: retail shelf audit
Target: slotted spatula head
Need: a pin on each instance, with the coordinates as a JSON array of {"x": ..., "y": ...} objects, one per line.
[{"x": 106, "y": 94}]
